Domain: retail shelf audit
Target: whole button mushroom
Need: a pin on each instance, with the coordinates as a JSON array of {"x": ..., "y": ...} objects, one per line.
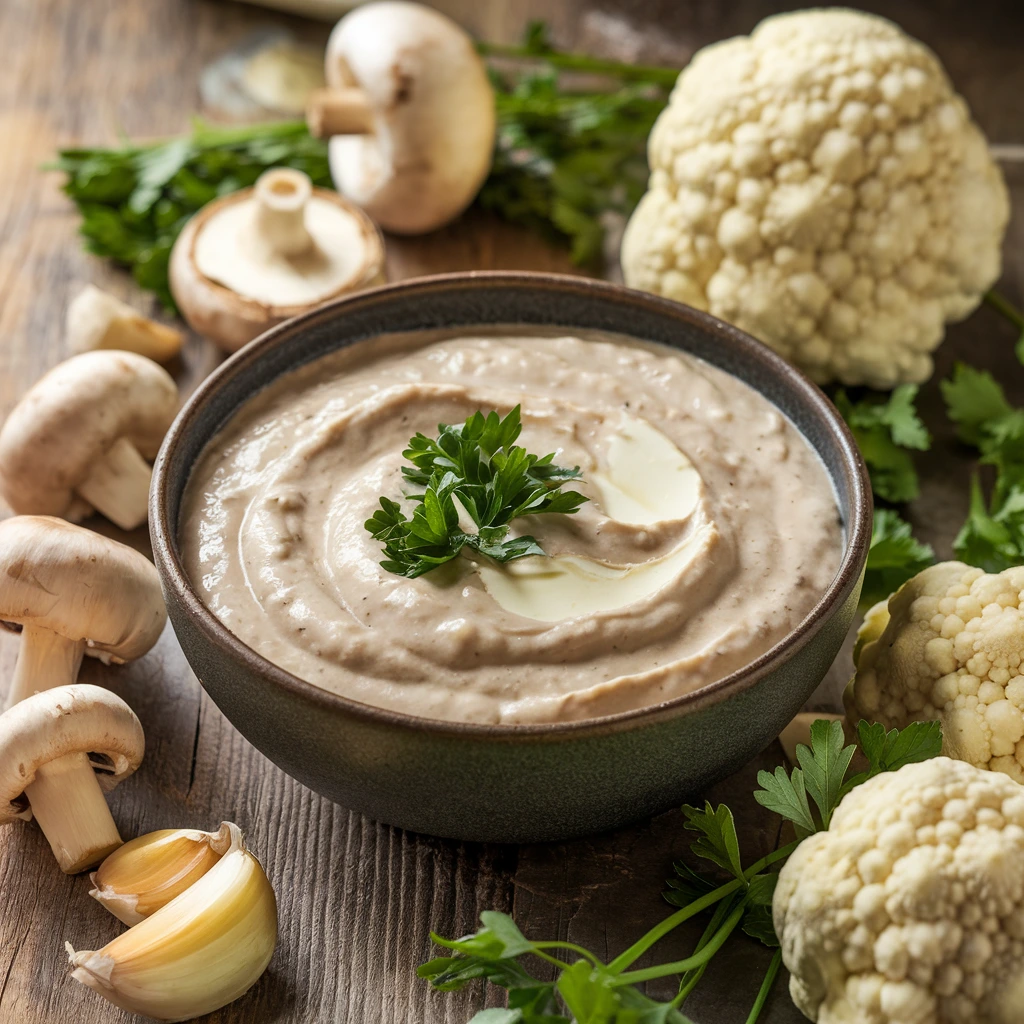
[
  {"x": 73, "y": 592},
  {"x": 80, "y": 437},
  {"x": 412, "y": 111},
  {"x": 46, "y": 772},
  {"x": 261, "y": 255}
]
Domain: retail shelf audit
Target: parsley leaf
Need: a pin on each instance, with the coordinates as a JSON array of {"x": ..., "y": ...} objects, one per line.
[
  {"x": 894, "y": 556},
  {"x": 718, "y": 842},
  {"x": 890, "y": 751},
  {"x": 973, "y": 399},
  {"x": 473, "y": 467},
  {"x": 883, "y": 432},
  {"x": 824, "y": 765},
  {"x": 786, "y": 795}
]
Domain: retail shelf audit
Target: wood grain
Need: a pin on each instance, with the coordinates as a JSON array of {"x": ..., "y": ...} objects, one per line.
[{"x": 358, "y": 899}]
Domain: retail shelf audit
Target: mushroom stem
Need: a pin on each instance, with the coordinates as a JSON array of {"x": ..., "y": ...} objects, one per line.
[
  {"x": 339, "y": 112},
  {"x": 118, "y": 486},
  {"x": 280, "y": 214},
  {"x": 69, "y": 805},
  {"x": 46, "y": 659}
]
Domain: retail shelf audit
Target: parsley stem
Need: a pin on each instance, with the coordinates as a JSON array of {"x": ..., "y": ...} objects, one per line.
[
  {"x": 690, "y": 981},
  {"x": 659, "y": 931},
  {"x": 678, "y": 966},
  {"x": 766, "y": 987},
  {"x": 583, "y": 62},
  {"x": 585, "y": 953},
  {"x": 560, "y": 964},
  {"x": 1006, "y": 308}
]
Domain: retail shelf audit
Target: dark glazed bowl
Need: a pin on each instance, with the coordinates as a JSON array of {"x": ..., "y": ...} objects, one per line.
[{"x": 508, "y": 783}]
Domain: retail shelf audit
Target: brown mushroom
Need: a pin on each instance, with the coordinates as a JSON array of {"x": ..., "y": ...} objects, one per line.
[
  {"x": 46, "y": 772},
  {"x": 412, "y": 113},
  {"x": 73, "y": 591},
  {"x": 80, "y": 437},
  {"x": 259, "y": 256}
]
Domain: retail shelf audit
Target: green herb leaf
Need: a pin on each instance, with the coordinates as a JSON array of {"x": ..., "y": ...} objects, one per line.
[
  {"x": 786, "y": 795},
  {"x": 890, "y": 751},
  {"x": 758, "y": 924},
  {"x": 824, "y": 765},
  {"x": 973, "y": 399},
  {"x": 883, "y": 432},
  {"x": 687, "y": 886},
  {"x": 475, "y": 467},
  {"x": 894, "y": 556},
  {"x": 718, "y": 842}
]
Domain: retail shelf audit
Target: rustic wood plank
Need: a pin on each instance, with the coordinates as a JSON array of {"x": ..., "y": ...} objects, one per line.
[{"x": 358, "y": 899}]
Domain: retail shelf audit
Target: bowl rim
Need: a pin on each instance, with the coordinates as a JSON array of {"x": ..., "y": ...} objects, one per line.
[{"x": 858, "y": 529}]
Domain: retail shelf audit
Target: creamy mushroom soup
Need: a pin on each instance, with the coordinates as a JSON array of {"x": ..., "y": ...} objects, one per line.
[{"x": 711, "y": 530}]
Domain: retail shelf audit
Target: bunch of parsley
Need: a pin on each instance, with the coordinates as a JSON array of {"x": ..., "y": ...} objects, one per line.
[
  {"x": 585, "y": 989},
  {"x": 472, "y": 469}
]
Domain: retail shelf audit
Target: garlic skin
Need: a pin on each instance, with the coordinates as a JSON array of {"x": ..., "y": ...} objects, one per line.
[
  {"x": 200, "y": 951},
  {"x": 146, "y": 873}
]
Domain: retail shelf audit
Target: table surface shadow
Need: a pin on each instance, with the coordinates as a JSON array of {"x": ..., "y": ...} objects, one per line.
[{"x": 357, "y": 899}]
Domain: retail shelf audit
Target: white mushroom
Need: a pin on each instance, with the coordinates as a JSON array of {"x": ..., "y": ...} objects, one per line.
[
  {"x": 73, "y": 591},
  {"x": 259, "y": 256},
  {"x": 46, "y": 772},
  {"x": 96, "y": 319},
  {"x": 412, "y": 109},
  {"x": 80, "y": 437}
]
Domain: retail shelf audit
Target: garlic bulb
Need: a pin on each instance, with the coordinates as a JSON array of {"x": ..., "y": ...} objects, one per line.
[{"x": 193, "y": 955}]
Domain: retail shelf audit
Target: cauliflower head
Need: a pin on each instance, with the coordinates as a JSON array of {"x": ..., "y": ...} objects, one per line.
[
  {"x": 949, "y": 646},
  {"x": 910, "y": 908},
  {"x": 820, "y": 184}
]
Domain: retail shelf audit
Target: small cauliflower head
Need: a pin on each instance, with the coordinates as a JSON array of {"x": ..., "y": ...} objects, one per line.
[
  {"x": 820, "y": 184},
  {"x": 949, "y": 646},
  {"x": 910, "y": 908}
]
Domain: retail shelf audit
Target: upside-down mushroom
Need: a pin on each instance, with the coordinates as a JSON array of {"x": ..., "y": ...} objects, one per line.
[
  {"x": 411, "y": 113},
  {"x": 99, "y": 320},
  {"x": 79, "y": 439},
  {"x": 73, "y": 591},
  {"x": 46, "y": 772},
  {"x": 259, "y": 256}
]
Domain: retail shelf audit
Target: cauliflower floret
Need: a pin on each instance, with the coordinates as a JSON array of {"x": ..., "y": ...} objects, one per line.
[
  {"x": 949, "y": 646},
  {"x": 910, "y": 908},
  {"x": 820, "y": 185}
]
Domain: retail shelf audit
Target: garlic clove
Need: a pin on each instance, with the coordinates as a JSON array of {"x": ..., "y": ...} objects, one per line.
[
  {"x": 147, "y": 873},
  {"x": 200, "y": 951},
  {"x": 96, "y": 319}
]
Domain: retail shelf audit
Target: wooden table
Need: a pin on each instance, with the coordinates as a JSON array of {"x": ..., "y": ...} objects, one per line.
[{"x": 358, "y": 899}]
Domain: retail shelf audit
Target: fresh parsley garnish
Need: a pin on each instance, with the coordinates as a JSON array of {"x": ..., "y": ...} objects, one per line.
[
  {"x": 585, "y": 989},
  {"x": 475, "y": 470}
]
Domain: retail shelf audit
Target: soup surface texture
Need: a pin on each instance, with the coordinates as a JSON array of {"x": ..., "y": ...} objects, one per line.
[{"x": 711, "y": 529}]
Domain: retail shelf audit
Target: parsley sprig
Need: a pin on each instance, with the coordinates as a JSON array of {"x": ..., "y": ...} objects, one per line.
[
  {"x": 585, "y": 989},
  {"x": 477, "y": 469}
]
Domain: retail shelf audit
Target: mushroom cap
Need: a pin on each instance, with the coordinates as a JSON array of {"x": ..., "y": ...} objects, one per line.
[
  {"x": 71, "y": 417},
  {"x": 65, "y": 720},
  {"x": 83, "y": 586},
  {"x": 433, "y": 109},
  {"x": 232, "y": 320}
]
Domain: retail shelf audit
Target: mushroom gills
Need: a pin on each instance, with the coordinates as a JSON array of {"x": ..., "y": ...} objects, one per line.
[
  {"x": 70, "y": 808},
  {"x": 118, "y": 486},
  {"x": 45, "y": 659}
]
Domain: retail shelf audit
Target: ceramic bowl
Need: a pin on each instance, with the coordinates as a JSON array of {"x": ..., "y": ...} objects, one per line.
[{"x": 499, "y": 782}]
